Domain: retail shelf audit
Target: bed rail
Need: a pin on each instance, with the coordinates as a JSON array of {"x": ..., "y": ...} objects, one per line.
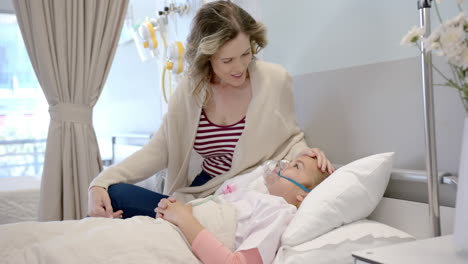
[{"x": 421, "y": 176}]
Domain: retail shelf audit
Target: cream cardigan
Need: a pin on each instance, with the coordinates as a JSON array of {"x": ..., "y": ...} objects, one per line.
[{"x": 271, "y": 132}]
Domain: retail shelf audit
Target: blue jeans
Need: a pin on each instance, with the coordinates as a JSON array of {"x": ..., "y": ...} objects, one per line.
[{"x": 134, "y": 200}]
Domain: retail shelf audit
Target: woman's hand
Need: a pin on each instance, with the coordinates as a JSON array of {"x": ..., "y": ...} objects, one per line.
[
  {"x": 173, "y": 211},
  {"x": 322, "y": 162},
  {"x": 99, "y": 203}
]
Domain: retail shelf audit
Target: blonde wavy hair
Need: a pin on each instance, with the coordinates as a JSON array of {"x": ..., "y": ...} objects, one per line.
[{"x": 215, "y": 24}]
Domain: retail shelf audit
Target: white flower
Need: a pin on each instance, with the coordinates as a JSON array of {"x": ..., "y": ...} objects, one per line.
[
  {"x": 452, "y": 41},
  {"x": 457, "y": 21},
  {"x": 413, "y": 35},
  {"x": 435, "y": 46},
  {"x": 461, "y": 59},
  {"x": 464, "y": 58},
  {"x": 433, "y": 41},
  {"x": 452, "y": 36},
  {"x": 449, "y": 40}
]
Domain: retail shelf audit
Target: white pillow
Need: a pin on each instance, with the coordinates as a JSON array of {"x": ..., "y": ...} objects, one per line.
[
  {"x": 337, "y": 245},
  {"x": 351, "y": 193}
]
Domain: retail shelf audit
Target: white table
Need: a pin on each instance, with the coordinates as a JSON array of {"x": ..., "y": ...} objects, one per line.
[{"x": 427, "y": 251}]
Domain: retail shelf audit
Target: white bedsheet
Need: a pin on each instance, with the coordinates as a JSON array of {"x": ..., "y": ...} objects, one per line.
[
  {"x": 138, "y": 239},
  {"x": 19, "y": 199},
  {"x": 94, "y": 240}
]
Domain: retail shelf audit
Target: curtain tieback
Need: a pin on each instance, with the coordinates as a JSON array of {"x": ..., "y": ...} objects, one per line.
[{"x": 66, "y": 112}]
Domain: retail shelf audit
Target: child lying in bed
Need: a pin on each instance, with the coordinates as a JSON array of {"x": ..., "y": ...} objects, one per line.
[{"x": 261, "y": 217}]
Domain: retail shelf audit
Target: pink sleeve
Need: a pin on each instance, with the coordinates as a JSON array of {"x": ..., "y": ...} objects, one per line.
[{"x": 209, "y": 250}]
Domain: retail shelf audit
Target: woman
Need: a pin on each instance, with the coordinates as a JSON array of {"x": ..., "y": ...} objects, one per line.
[{"x": 235, "y": 111}]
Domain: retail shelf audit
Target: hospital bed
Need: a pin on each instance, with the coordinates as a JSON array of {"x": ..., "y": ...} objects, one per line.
[
  {"x": 19, "y": 196},
  {"x": 359, "y": 219},
  {"x": 19, "y": 199}
]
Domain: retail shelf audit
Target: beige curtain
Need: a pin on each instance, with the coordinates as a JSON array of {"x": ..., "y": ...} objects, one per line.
[{"x": 71, "y": 44}]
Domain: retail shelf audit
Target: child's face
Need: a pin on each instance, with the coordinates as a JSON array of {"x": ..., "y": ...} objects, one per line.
[{"x": 302, "y": 170}]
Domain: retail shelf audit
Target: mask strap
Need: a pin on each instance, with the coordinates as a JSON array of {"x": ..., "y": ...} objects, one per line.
[{"x": 295, "y": 182}]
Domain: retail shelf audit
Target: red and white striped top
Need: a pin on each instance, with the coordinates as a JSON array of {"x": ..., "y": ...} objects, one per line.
[{"x": 216, "y": 144}]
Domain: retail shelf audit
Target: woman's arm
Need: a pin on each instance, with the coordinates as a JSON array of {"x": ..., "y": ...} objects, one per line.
[
  {"x": 153, "y": 156},
  {"x": 207, "y": 248},
  {"x": 138, "y": 166}
]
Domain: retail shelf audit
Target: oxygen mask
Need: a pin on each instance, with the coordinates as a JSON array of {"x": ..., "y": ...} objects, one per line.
[{"x": 271, "y": 170}]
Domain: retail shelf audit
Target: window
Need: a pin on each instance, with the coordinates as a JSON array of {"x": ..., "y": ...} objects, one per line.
[{"x": 24, "y": 118}]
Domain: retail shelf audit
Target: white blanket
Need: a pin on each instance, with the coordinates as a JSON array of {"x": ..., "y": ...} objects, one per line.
[{"x": 101, "y": 240}]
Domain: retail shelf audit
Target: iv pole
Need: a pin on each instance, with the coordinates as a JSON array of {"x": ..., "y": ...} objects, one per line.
[{"x": 431, "y": 157}]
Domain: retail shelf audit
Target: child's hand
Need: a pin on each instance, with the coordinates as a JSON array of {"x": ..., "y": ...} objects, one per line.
[
  {"x": 180, "y": 215},
  {"x": 174, "y": 212},
  {"x": 163, "y": 204}
]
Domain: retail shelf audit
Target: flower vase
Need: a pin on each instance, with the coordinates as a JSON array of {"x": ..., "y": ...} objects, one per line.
[{"x": 461, "y": 212}]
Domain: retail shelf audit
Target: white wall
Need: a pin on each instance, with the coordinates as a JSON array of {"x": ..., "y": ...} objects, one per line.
[
  {"x": 6, "y": 6},
  {"x": 312, "y": 36},
  {"x": 362, "y": 110},
  {"x": 358, "y": 92}
]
